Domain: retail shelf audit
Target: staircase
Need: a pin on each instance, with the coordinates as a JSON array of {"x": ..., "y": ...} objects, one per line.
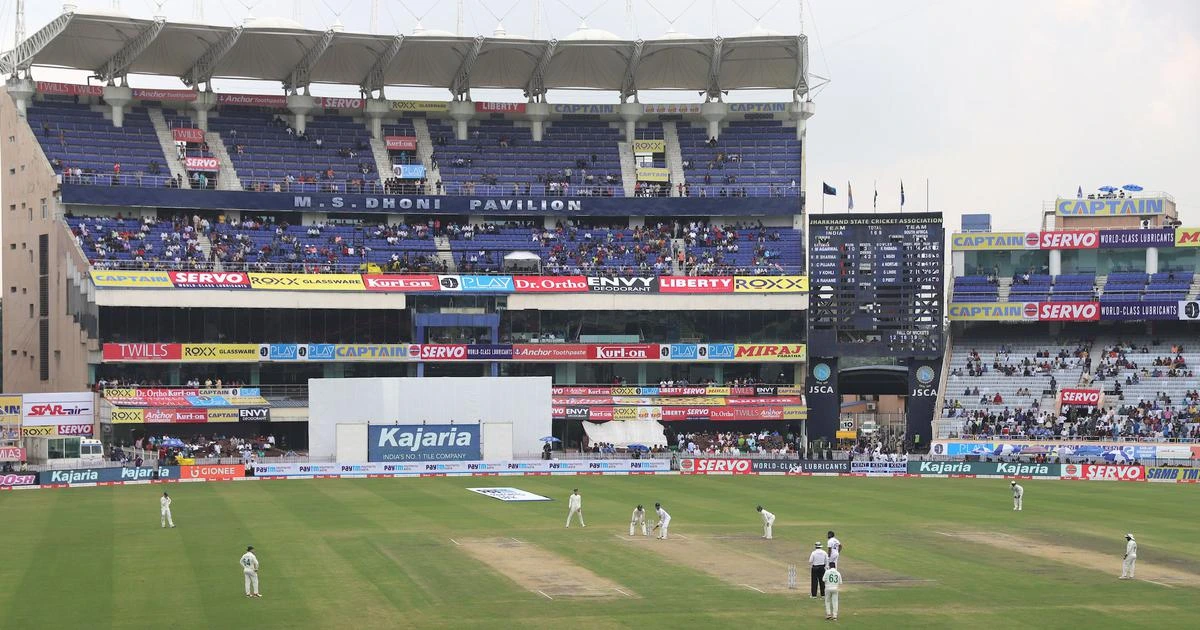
[
  {"x": 227, "y": 177},
  {"x": 167, "y": 142},
  {"x": 433, "y": 175},
  {"x": 1003, "y": 287},
  {"x": 1101, "y": 281},
  {"x": 674, "y": 156},
  {"x": 628, "y": 167},
  {"x": 678, "y": 245},
  {"x": 383, "y": 161},
  {"x": 206, "y": 246},
  {"x": 1195, "y": 290},
  {"x": 444, "y": 253}
]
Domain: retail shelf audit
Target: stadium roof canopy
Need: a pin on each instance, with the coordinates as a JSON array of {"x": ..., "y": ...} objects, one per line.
[{"x": 113, "y": 46}]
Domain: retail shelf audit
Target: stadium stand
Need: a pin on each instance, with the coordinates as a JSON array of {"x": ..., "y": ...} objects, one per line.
[
  {"x": 755, "y": 158},
  {"x": 83, "y": 140}
]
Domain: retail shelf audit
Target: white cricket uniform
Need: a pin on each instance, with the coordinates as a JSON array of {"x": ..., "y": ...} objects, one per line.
[
  {"x": 249, "y": 563},
  {"x": 768, "y": 522},
  {"x": 165, "y": 519},
  {"x": 833, "y": 582},
  {"x": 1130, "y": 560},
  {"x": 575, "y": 506},
  {"x": 664, "y": 521},
  {"x": 638, "y": 518},
  {"x": 1018, "y": 496},
  {"x": 834, "y": 547}
]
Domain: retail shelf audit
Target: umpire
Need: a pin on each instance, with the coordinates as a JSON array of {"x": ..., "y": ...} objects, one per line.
[{"x": 818, "y": 559}]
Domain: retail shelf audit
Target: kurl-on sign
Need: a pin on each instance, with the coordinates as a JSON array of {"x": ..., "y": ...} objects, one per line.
[{"x": 422, "y": 442}]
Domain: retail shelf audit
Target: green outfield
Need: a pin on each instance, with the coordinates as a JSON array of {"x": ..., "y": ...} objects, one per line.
[{"x": 426, "y": 553}]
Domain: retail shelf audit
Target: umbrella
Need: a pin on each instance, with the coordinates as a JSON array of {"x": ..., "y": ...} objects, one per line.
[
  {"x": 174, "y": 442},
  {"x": 1133, "y": 188},
  {"x": 1107, "y": 189},
  {"x": 638, "y": 447},
  {"x": 550, "y": 438}
]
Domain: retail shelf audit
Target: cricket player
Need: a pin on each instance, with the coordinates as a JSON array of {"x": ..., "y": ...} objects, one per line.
[
  {"x": 768, "y": 522},
  {"x": 1130, "y": 558},
  {"x": 249, "y": 564},
  {"x": 832, "y": 581},
  {"x": 817, "y": 561},
  {"x": 575, "y": 506},
  {"x": 1018, "y": 495},
  {"x": 164, "y": 505},
  {"x": 664, "y": 521},
  {"x": 638, "y": 518},
  {"x": 833, "y": 547}
]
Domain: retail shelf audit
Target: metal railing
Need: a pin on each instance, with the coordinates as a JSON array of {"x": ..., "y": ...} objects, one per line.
[{"x": 360, "y": 267}]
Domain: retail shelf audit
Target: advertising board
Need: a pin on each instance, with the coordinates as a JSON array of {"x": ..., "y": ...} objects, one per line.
[
  {"x": 108, "y": 475},
  {"x": 419, "y": 443},
  {"x": 800, "y": 466},
  {"x": 878, "y": 468},
  {"x": 715, "y": 466},
  {"x": 504, "y": 467},
  {"x": 1015, "y": 469},
  {"x": 1103, "y": 472}
]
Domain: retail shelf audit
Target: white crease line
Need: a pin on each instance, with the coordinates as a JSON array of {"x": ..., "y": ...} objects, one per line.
[
  {"x": 945, "y": 534},
  {"x": 888, "y": 581},
  {"x": 1158, "y": 583},
  {"x": 454, "y": 541},
  {"x": 754, "y": 589},
  {"x": 546, "y": 596},
  {"x": 682, "y": 536},
  {"x": 622, "y": 592},
  {"x": 516, "y": 541}
]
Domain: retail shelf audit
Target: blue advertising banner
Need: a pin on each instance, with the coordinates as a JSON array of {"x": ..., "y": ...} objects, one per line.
[
  {"x": 498, "y": 352},
  {"x": 1136, "y": 239},
  {"x": 422, "y": 442},
  {"x": 1138, "y": 311},
  {"x": 106, "y": 475},
  {"x": 125, "y": 197}
]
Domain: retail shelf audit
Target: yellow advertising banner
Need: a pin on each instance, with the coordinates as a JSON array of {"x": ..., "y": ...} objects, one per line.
[
  {"x": 770, "y": 284},
  {"x": 653, "y": 174},
  {"x": 39, "y": 431},
  {"x": 789, "y": 390},
  {"x": 10, "y": 411},
  {"x": 1187, "y": 237},
  {"x": 795, "y": 413},
  {"x": 649, "y": 146},
  {"x": 126, "y": 415},
  {"x": 987, "y": 311},
  {"x": 132, "y": 279},
  {"x": 220, "y": 352},
  {"x": 988, "y": 240},
  {"x": 625, "y": 413},
  {"x": 419, "y": 106},
  {"x": 846, "y": 435},
  {"x": 222, "y": 415},
  {"x": 770, "y": 352},
  {"x": 306, "y": 282}
]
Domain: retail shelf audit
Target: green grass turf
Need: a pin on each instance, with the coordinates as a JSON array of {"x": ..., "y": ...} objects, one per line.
[{"x": 376, "y": 553}]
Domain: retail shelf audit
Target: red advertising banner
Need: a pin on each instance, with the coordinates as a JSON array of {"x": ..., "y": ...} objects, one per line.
[
  {"x": 212, "y": 472},
  {"x": 12, "y": 454},
  {"x": 1071, "y": 239},
  {"x": 337, "y": 102},
  {"x": 550, "y": 352},
  {"x": 188, "y": 134},
  {"x": 209, "y": 279},
  {"x": 624, "y": 352},
  {"x": 1103, "y": 472},
  {"x": 766, "y": 400},
  {"x": 441, "y": 352},
  {"x": 497, "y": 108},
  {"x": 1077, "y": 396},
  {"x": 695, "y": 284},
  {"x": 164, "y": 95},
  {"x": 69, "y": 89},
  {"x": 400, "y": 283},
  {"x": 143, "y": 351},
  {"x": 581, "y": 391},
  {"x": 199, "y": 163},
  {"x": 1063, "y": 311},
  {"x": 400, "y": 143},
  {"x": 706, "y": 466},
  {"x": 176, "y": 416},
  {"x": 253, "y": 100},
  {"x": 550, "y": 284}
]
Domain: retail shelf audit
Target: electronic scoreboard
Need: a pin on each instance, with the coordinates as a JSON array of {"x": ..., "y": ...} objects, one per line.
[{"x": 875, "y": 285}]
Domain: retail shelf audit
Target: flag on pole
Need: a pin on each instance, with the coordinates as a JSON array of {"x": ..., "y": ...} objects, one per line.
[
  {"x": 875, "y": 203},
  {"x": 1079, "y": 193},
  {"x": 828, "y": 190},
  {"x": 849, "y": 196},
  {"x": 902, "y": 193}
]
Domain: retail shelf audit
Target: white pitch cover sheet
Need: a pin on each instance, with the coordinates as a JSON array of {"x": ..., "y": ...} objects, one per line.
[
  {"x": 626, "y": 432},
  {"x": 509, "y": 494}
]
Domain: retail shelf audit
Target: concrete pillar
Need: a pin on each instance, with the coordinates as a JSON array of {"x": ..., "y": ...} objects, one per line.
[
  {"x": 713, "y": 114},
  {"x": 300, "y": 105},
  {"x": 801, "y": 112},
  {"x": 21, "y": 91},
  {"x": 1151, "y": 260},
  {"x": 376, "y": 110},
  {"x": 958, "y": 261},
  {"x": 118, "y": 97},
  {"x": 462, "y": 112},
  {"x": 631, "y": 113},
  {"x": 537, "y": 113},
  {"x": 204, "y": 102},
  {"x": 1055, "y": 262}
]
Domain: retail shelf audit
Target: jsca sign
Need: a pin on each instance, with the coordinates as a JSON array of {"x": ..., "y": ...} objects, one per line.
[{"x": 423, "y": 443}]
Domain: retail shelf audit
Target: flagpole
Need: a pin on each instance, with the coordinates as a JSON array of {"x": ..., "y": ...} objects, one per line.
[{"x": 926, "y": 194}]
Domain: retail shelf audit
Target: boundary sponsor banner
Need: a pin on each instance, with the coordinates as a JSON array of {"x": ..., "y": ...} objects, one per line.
[
  {"x": 509, "y": 494},
  {"x": 108, "y": 475},
  {"x": 131, "y": 279},
  {"x": 715, "y": 466},
  {"x": 224, "y": 472},
  {"x": 1116, "y": 452},
  {"x": 1173, "y": 475},
  {"x": 418, "y": 443},
  {"x": 17, "y": 480},
  {"x": 804, "y": 466},
  {"x": 1103, "y": 472},
  {"x": 504, "y": 467},
  {"x": 770, "y": 284},
  {"x": 878, "y": 468},
  {"x": 983, "y": 468}
]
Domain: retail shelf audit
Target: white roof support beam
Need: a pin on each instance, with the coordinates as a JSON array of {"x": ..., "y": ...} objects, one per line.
[
  {"x": 628, "y": 84},
  {"x": 374, "y": 79},
  {"x": 801, "y": 67},
  {"x": 120, "y": 62},
  {"x": 462, "y": 78},
  {"x": 21, "y": 57},
  {"x": 299, "y": 76},
  {"x": 204, "y": 67},
  {"x": 535, "y": 90},
  {"x": 714, "y": 70}
]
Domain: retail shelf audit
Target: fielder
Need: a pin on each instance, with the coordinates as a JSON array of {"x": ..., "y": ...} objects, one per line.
[
  {"x": 638, "y": 518},
  {"x": 664, "y": 521},
  {"x": 249, "y": 564},
  {"x": 768, "y": 522},
  {"x": 164, "y": 505},
  {"x": 575, "y": 506},
  {"x": 817, "y": 561},
  {"x": 833, "y": 547},
  {"x": 832, "y": 582},
  {"x": 1018, "y": 495},
  {"x": 1130, "y": 558}
]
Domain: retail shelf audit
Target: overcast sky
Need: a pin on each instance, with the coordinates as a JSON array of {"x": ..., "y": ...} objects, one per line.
[{"x": 1001, "y": 105}]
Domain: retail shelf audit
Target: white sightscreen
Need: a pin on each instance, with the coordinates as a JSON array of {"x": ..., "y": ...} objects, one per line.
[{"x": 626, "y": 432}]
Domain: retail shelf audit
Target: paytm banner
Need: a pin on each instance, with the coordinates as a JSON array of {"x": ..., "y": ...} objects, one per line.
[{"x": 422, "y": 442}]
